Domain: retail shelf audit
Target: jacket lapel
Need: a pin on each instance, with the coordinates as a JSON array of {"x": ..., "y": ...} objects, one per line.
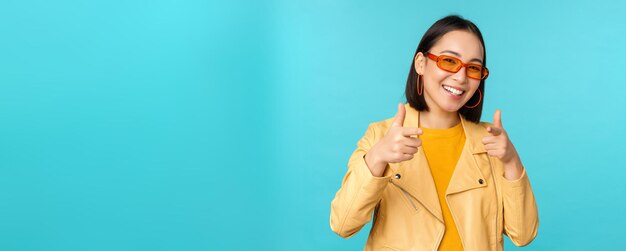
[{"x": 467, "y": 174}]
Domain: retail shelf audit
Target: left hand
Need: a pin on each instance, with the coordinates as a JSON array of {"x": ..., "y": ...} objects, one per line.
[{"x": 498, "y": 144}]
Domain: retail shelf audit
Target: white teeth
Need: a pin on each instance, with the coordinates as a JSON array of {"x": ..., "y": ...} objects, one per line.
[{"x": 454, "y": 91}]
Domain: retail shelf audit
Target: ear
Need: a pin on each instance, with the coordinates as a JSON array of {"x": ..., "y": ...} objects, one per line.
[{"x": 419, "y": 61}]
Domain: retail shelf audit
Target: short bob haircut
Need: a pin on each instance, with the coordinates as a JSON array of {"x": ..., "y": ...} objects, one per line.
[{"x": 432, "y": 35}]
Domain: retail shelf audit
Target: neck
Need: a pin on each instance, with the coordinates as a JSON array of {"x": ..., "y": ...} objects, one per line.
[{"x": 438, "y": 119}]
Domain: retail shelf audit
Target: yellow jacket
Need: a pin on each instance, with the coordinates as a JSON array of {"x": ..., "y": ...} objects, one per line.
[{"x": 407, "y": 213}]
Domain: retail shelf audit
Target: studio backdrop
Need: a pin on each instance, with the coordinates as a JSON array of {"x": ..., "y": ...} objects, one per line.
[{"x": 227, "y": 125}]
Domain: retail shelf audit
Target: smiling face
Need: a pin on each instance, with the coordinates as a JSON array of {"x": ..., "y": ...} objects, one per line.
[{"x": 443, "y": 90}]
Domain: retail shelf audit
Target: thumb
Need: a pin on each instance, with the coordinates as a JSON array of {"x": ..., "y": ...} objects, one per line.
[
  {"x": 497, "y": 119},
  {"x": 399, "y": 119}
]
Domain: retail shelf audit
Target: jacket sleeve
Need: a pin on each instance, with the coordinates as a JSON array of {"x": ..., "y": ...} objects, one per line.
[
  {"x": 359, "y": 193},
  {"x": 521, "y": 219}
]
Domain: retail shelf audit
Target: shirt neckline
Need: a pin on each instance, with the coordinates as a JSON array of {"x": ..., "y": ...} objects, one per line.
[{"x": 447, "y": 132}]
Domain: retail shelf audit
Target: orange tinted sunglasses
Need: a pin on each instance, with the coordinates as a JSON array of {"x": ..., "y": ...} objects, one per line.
[{"x": 454, "y": 65}]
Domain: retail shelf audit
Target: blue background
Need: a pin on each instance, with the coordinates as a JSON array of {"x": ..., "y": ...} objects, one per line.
[{"x": 201, "y": 125}]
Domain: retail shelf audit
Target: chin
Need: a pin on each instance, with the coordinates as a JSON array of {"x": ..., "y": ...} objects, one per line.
[
  {"x": 449, "y": 107},
  {"x": 452, "y": 109}
]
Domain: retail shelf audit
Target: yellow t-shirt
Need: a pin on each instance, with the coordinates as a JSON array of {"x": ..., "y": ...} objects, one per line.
[{"x": 443, "y": 148}]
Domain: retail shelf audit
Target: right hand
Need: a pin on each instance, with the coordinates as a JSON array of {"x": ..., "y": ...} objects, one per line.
[{"x": 396, "y": 146}]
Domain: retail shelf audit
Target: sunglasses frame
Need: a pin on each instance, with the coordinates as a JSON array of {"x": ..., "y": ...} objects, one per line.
[{"x": 485, "y": 71}]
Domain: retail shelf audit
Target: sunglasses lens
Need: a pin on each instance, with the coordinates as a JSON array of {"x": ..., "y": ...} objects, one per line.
[
  {"x": 475, "y": 71},
  {"x": 449, "y": 63}
]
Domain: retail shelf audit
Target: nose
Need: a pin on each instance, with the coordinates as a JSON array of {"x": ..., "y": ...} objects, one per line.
[{"x": 460, "y": 76}]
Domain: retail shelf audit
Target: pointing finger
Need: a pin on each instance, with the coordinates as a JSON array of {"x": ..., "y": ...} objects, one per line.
[
  {"x": 497, "y": 119},
  {"x": 410, "y": 131}
]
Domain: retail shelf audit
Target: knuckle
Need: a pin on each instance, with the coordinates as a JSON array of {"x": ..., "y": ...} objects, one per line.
[
  {"x": 397, "y": 155},
  {"x": 395, "y": 148}
]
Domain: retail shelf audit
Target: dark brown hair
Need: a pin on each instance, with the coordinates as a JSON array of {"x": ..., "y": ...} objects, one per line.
[{"x": 432, "y": 35}]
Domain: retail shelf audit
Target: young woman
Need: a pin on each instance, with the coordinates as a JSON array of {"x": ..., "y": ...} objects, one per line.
[{"x": 434, "y": 176}]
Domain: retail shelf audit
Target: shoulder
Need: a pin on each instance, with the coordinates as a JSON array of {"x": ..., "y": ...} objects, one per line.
[
  {"x": 477, "y": 125},
  {"x": 381, "y": 126},
  {"x": 484, "y": 124},
  {"x": 478, "y": 129},
  {"x": 377, "y": 129}
]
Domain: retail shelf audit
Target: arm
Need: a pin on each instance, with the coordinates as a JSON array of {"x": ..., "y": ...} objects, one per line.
[
  {"x": 360, "y": 191},
  {"x": 519, "y": 207},
  {"x": 362, "y": 187},
  {"x": 521, "y": 219}
]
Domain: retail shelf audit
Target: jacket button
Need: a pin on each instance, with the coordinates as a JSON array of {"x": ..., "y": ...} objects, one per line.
[
  {"x": 480, "y": 181},
  {"x": 397, "y": 176}
]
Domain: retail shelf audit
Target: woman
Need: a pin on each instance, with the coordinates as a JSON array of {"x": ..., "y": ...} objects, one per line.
[{"x": 434, "y": 176}]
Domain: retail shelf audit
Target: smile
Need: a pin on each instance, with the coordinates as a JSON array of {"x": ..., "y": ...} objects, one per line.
[{"x": 453, "y": 91}]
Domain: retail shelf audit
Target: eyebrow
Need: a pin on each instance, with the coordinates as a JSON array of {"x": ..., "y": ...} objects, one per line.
[{"x": 459, "y": 55}]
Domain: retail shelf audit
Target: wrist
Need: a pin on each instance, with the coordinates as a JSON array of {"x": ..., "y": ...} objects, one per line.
[
  {"x": 375, "y": 164},
  {"x": 513, "y": 168}
]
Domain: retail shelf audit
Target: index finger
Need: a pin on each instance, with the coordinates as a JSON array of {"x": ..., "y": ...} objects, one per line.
[
  {"x": 409, "y": 131},
  {"x": 497, "y": 118}
]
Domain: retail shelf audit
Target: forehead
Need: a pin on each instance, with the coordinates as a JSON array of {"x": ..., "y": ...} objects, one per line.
[{"x": 463, "y": 42}]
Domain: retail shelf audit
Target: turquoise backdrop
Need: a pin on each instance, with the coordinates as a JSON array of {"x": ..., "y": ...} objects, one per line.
[{"x": 227, "y": 125}]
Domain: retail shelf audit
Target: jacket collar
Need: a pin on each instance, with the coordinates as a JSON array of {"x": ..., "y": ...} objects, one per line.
[{"x": 417, "y": 179}]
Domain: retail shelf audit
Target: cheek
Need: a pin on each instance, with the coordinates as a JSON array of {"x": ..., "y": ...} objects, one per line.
[
  {"x": 434, "y": 77},
  {"x": 474, "y": 84}
]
